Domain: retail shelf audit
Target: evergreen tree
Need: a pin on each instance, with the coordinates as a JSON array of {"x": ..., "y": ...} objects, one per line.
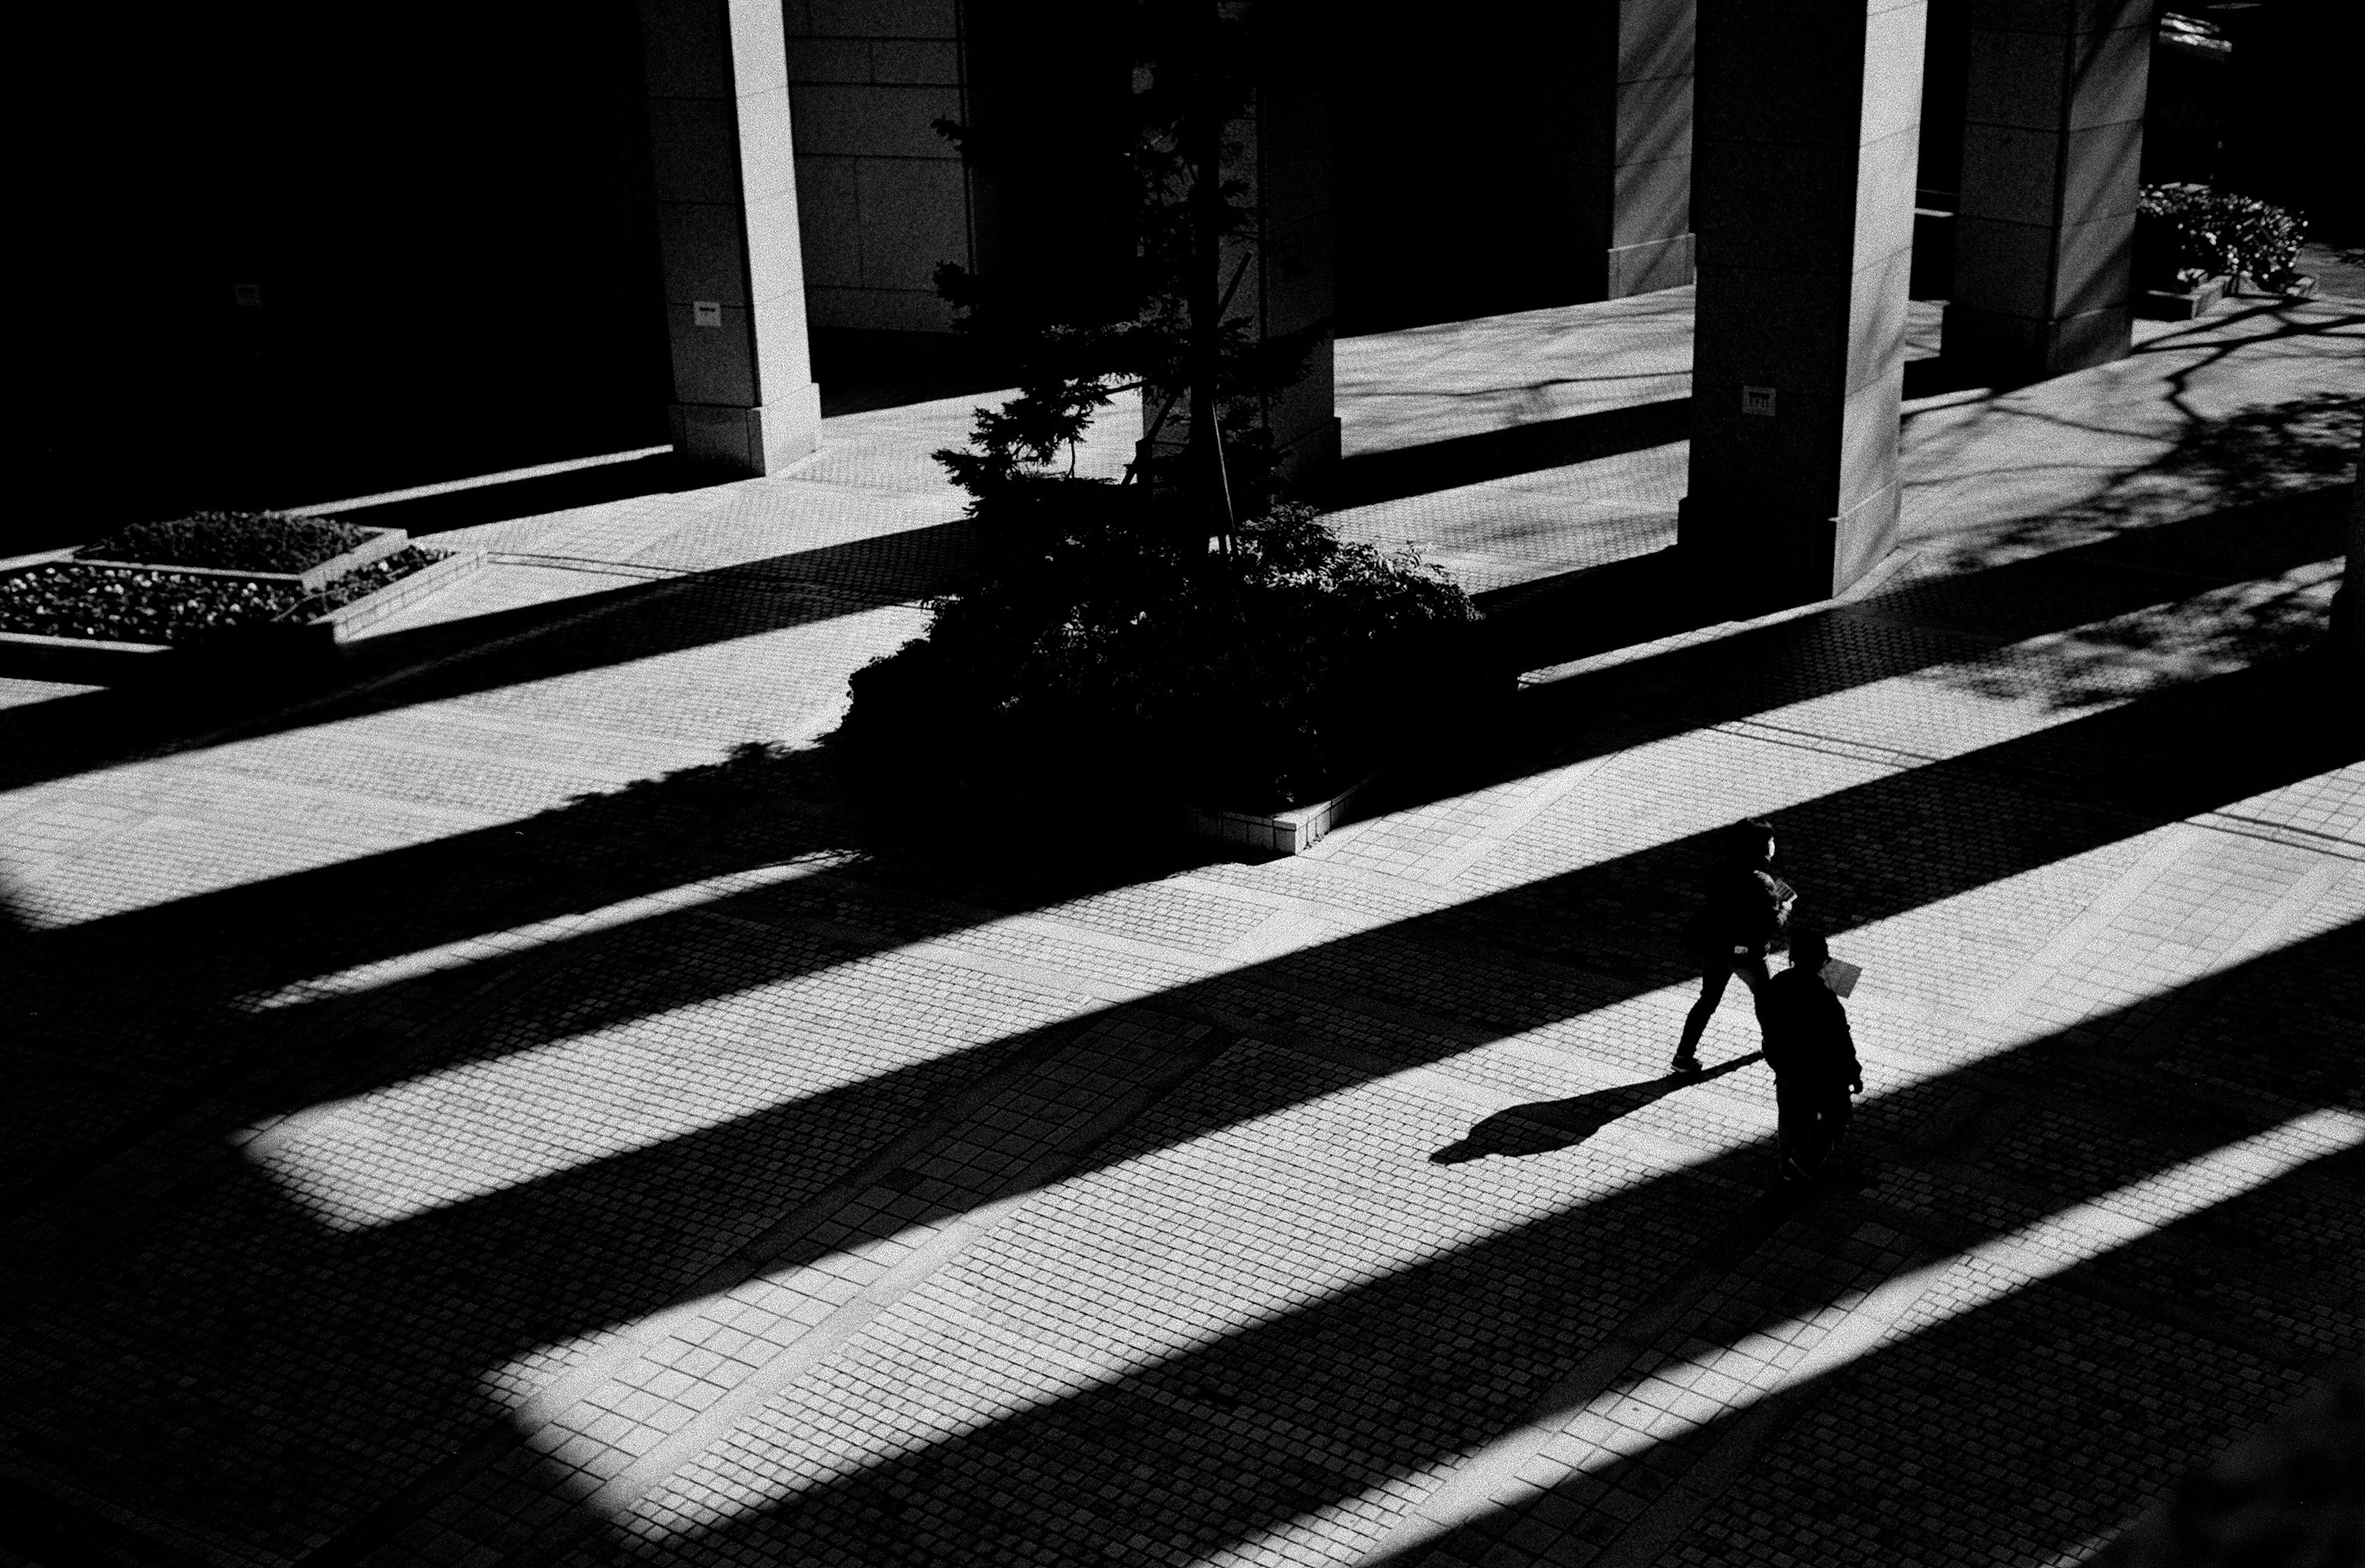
[{"x": 1169, "y": 328}]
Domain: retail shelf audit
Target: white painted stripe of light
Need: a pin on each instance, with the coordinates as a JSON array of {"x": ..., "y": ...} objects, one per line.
[
  {"x": 519, "y": 939},
  {"x": 1858, "y": 1323},
  {"x": 481, "y": 481}
]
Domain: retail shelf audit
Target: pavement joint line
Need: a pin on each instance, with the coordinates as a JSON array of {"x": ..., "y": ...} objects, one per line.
[
  {"x": 1446, "y": 866},
  {"x": 2173, "y": 842},
  {"x": 2288, "y": 835},
  {"x": 2264, "y": 934},
  {"x": 591, "y": 564},
  {"x": 1894, "y": 758}
]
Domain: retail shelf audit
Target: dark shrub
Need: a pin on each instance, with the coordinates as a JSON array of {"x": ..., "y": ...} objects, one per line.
[
  {"x": 231, "y": 540},
  {"x": 2186, "y": 234},
  {"x": 1269, "y": 677}
]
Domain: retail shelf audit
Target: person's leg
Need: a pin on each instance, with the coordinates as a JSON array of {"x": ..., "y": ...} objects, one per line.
[
  {"x": 1753, "y": 972},
  {"x": 1696, "y": 1021},
  {"x": 1794, "y": 1140},
  {"x": 1837, "y": 1111}
]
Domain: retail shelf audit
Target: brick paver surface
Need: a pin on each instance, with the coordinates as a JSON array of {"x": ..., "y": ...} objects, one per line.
[{"x": 527, "y": 1105}]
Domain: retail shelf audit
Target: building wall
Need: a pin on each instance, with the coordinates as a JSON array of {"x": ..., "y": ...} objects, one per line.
[{"x": 881, "y": 197}]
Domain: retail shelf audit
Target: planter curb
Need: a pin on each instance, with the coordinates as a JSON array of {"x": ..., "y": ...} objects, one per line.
[
  {"x": 2170, "y": 305},
  {"x": 382, "y": 543},
  {"x": 91, "y": 661},
  {"x": 1291, "y": 831}
]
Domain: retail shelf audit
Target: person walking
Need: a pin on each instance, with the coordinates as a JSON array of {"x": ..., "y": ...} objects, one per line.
[
  {"x": 1813, "y": 1053},
  {"x": 1741, "y": 918}
]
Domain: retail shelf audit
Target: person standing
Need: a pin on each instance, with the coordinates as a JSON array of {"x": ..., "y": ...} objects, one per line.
[
  {"x": 1741, "y": 918},
  {"x": 1813, "y": 1053}
]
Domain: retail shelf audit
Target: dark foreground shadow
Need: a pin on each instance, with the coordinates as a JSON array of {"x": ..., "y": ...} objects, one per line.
[{"x": 1549, "y": 1124}]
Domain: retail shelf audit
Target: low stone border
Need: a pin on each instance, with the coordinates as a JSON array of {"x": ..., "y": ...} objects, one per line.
[
  {"x": 92, "y": 662},
  {"x": 342, "y": 624},
  {"x": 1292, "y": 831},
  {"x": 381, "y": 543},
  {"x": 2167, "y": 305},
  {"x": 86, "y": 661}
]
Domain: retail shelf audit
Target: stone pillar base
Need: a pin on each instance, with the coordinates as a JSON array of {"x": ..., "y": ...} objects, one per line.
[
  {"x": 748, "y": 442},
  {"x": 1645, "y": 268},
  {"x": 2019, "y": 349},
  {"x": 1752, "y": 562}
]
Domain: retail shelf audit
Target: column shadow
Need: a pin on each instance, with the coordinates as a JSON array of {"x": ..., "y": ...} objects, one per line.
[
  {"x": 1302, "y": 1413},
  {"x": 1371, "y": 477},
  {"x": 318, "y": 1339}
]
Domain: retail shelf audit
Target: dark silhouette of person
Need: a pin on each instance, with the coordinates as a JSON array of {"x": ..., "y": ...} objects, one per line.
[
  {"x": 1812, "y": 1054},
  {"x": 1743, "y": 910}
]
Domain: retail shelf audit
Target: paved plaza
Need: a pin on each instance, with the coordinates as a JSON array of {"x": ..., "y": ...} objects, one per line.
[{"x": 531, "y": 1103}]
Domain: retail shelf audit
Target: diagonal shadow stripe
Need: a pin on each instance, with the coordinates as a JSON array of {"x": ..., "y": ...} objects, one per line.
[
  {"x": 144, "y": 993},
  {"x": 1393, "y": 474},
  {"x": 417, "y": 1310},
  {"x": 2135, "y": 1386},
  {"x": 2134, "y": 764},
  {"x": 1391, "y": 1377}
]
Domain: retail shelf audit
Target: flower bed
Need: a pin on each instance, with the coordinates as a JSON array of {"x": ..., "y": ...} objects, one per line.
[
  {"x": 231, "y": 541},
  {"x": 123, "y": 604}
]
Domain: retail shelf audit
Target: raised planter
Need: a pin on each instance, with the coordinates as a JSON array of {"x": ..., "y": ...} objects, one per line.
[
  {"x": 90, "y": 661},
  {"x": 346, "y": 622},
  {"x": 2301, "y": 288},
  {"x": 381, "y": 543},
  {"x": 1292, "y": 831},
  {"x": 2169, "y": 305}
]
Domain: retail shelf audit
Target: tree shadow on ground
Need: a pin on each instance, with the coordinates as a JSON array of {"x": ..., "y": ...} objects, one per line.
[{"x": 1549, "y": 1126}]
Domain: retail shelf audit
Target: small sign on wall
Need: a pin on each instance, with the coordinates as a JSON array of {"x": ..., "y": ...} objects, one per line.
[
  {"x": 706, "y": 312},
  {"x": 247, "y": 295},
  {"x": 1758, "y": 400}
]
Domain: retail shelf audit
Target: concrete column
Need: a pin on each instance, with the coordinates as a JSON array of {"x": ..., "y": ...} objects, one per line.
[
  {"x": 2052, "y": 147},
  {"x": 1803, "y": 195},
  {"x": 1632, "y": 179},
  {"x": 743, "y": 397}
]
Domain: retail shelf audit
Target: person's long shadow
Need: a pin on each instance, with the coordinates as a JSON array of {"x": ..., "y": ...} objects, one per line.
[{"x": 1549, "y": 1124}]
